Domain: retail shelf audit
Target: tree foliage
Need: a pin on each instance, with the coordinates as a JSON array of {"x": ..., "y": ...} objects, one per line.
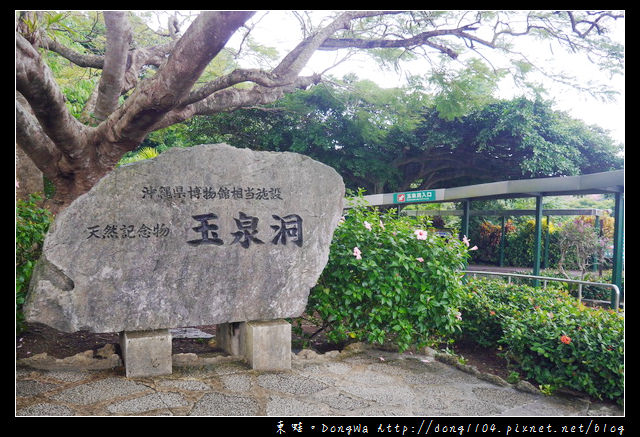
[
  {"x": 513, "y": 139},
  {"x": 396, "y": 139},
  {"x": 346, "y": 127},
  {"x": 91, "y": 86}
]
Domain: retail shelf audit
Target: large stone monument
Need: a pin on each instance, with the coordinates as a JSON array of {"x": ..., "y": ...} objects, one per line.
[{"x": 206, "y": 235}]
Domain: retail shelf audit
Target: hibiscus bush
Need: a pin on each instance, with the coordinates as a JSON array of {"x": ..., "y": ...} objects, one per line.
[
  {"x": 549, "y": 336},
  {"x": 389, "y": 280}
]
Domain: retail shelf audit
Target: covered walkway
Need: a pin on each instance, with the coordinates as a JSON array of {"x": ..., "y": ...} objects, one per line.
[
  {"x": 597, "y": 183},
  {"x": 503, "y": 214}
]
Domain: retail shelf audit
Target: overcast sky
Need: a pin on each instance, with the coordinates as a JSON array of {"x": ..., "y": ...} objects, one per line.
[
  {"x": 280, "y": 30},
  {"x": 608, "y": 115}
]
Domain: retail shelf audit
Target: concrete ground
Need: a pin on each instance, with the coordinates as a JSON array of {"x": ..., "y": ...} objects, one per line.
[{"x": 359, "y": 381}]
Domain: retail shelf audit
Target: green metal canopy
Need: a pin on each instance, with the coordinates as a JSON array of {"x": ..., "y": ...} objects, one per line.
[{"x": 596, "y": 183}]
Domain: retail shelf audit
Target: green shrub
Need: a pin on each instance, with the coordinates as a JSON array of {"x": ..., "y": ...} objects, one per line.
[
  {"x": 487, "y": 236},
  {"x": 386, "y": 281},
  {"x": 518, "y": 250},
  {"x": 588, "y": 291},
  {"x": 552, "y": 338},
  {"x": 595, "y": 292},
  {"x": 32, "y": 223},
  {"x": 140, "y": 155}
]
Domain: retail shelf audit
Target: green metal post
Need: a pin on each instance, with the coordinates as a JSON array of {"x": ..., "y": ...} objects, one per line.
[
  {"x": 464, "y": 225},
  {"x": 502, "y": 243},
  {"x": 536, "y": 241},
  {"x": 546, "y": 244},
  {"x": 596, "y": 226},
  {"x": 618, "y": 245}
]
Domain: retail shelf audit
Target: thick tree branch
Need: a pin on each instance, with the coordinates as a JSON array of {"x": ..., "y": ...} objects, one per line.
[
  {"x": 295, "y": 61},
  {"x": 285, "y": 74},
  {"x": 139, "y": 58},
  {"x": 417, "y": 40},
  {"x": 35, "y": 82},
  {"x": 230, "y": 99},
  {"x": 115, "y": 64},
  {"x": 592, "y": 24},
  {"x": 86, "y": 116},
  {"x": 429, "y": 155},
  {"x": 136, "y": 58},
  {"x": 436, "y": 167},
  {"x": 75, "y": 155},
  {"x": 35, "y": 143},
  {"x": 260, "y": 77},
  {"x": 421, "y": 39},
  {"x": 202, "y": 41},
  {"x": 153, "y": 99},
  {"x": 437, "y": 179}
]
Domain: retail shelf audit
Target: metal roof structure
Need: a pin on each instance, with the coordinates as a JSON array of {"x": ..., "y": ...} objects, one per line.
[
  {"x": 595, "y": 183},
  {"x": 505, "y": 212}
]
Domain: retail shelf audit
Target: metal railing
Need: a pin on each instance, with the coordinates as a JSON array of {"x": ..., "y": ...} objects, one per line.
[{"x": 614, "y": 287}]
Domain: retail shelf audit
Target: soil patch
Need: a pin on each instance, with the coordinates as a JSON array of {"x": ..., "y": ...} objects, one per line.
[
  {"x": 486, "y": 360},
  {"x": 38, "y": 338}
]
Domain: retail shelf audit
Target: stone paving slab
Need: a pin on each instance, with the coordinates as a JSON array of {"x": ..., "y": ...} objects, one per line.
[{"x": 356, "y": 382}]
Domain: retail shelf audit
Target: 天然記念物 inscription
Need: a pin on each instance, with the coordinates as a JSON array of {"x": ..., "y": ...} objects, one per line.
[
  {"x": 288, "y": 228},
  {"x": 127, "y": 231}
]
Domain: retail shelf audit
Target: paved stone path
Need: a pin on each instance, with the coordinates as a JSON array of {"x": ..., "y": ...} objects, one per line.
[{"x": 365, "y": 382}]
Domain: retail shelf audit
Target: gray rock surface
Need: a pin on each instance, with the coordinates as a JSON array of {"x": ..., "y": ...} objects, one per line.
[{"x": 198, "y": 236}]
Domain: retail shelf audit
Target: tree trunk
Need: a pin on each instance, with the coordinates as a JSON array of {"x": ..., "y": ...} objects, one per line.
[{"x": 70, "y": 187}]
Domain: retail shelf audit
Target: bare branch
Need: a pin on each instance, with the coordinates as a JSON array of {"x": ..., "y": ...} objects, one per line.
[
  {"x": 235, "y": 77},
  {"x": 295, "y": 61},
  {"x": 89, "y": 107},
  {"x": 286, "y": 73},
  {"x": 80, "y": 59},
  {"x": 230, "y": 99},
  {"x": 115, "y": 63},
  {"x": 139, "y": 58},
  {"x": 592, "y": 24},
  {"x": 417, "y": 40},
  {"x": 173, "y": 26},
  {"x": 247, "y": 33}
]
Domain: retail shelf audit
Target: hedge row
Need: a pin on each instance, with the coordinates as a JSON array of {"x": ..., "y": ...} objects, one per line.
[{"x": 551, "y": 337}]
